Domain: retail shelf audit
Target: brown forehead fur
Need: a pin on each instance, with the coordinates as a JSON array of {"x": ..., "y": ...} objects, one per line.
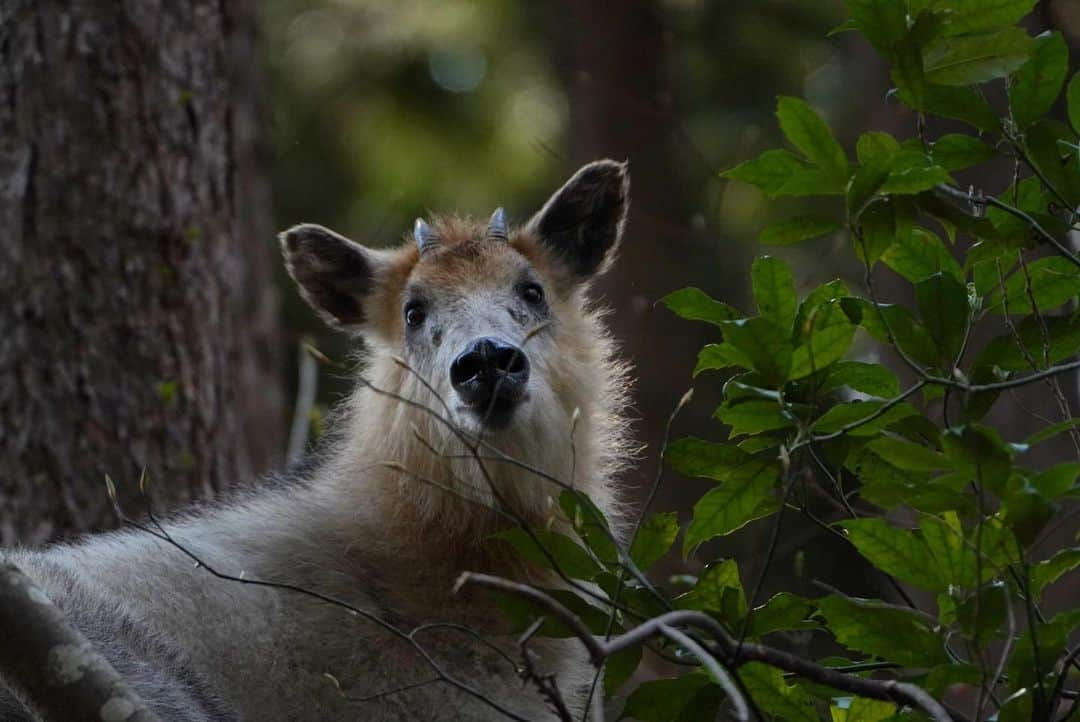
[{"x": 463, "y": 256}]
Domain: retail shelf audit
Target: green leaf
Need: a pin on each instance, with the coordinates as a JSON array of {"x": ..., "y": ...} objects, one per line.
[
  {"x": 774, "y": 291},
  {"x": 1072, "y": 95},
  {"x": 943, "y": 304},
  {"x": 744, "y": 495},
  {"x": 590, "y": 524},
  {"x": 880, "y": 630},
  {"x": 805, "y": 130},
  {"x": 888, "y": 487},
  {"x": 1052, "y": 638},
  {"x": 1053, "y": 281},
  {"x": 619, "y": 667},
  {"x": 697, "y": 457},
  {"x": 783, "y": 611},
  {"x": 654, "y": 539},
  {"x": 718, "y": 590},
  {"x": 852, "y": 412},
  {"x": 764, "y": 344},
  {"x": 867, "y": 378},
  {"x": 1037, "y": 84},
  {"x": 880, "y": 227},
  {"x": 912, "y": 173},
  {"x": 883, "y": 22},
  {"x": 960, "y": 103},
  {"x": 1051, "y": 148},
  {"x": 971, "y": 59},
  {"x": 908, "y": 72},
  {"x": 957, "y": 102},
  {"x": 522, "y": 613},
  {"x": 827, "y": 345},
  {"x": 716, "y": 356},
  {"x": 862, "y": 709},
  {"x": 1051, "y": 431},
  {"x": 920, "y": 255},
  {"x": 1057, "y": 480},
  {"x": 1046, "y": 573},
  {"x": 789, "y": 231},
  {"x": 981, "y": 616},
  {"x": 954, "y": 218},
  {"x": 662, "y": 700},
  {"x": 1012, "y": 232},
  {"x": 868, "y": 180},
  {"x": 769, "y": 171},
  {"x": 811, "y": 182},
  {"x": 899, "y": 552},
  {"x": 907, "y": 455},
  {"x": 810, "y": 308},
  {"x": 1063, "y": 333},
  {"x": 571, "y": 558},
  {"x": 953, "y": 559},
  {"x": 753, "y": 417},
  {"x": 767, "y": 687},
  {"x": 979, "y": 453},
  {"x": 875, "y": 146},
  {"x": 956, "y": 151},
  {"x": 880, "y": 319},
  {"x": 1026, "y": 512},
  {"x": 694, "y": 304},
  {"x": 969, "y": 16}
]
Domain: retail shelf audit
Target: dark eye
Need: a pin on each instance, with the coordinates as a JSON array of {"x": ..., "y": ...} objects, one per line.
[
  {"x": 532, "y": 293},
  {"x": 414, "y": 313}
]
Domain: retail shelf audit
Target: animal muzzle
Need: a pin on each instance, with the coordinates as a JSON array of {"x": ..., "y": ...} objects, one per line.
[{"x": 490, "y": 377}]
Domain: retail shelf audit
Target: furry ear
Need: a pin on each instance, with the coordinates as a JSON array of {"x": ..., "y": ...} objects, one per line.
[
  {"x": 334, "y": 274},
  {"x": 582, "y": 223}
]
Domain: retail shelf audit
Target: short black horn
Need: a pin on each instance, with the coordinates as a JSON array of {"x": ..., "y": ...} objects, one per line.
[
  {"x": 424, "y": 236},
  {"x": 496, "y": 230}
]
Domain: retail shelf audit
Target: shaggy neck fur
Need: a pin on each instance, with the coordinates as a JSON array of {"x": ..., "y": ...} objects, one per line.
[{"x": 416, "y": 507}]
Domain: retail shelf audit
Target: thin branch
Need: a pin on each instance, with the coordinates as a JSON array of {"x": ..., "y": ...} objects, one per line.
[
  {"x": 774, "y": 537},
  {"x": 877, "y": 413},
  {"x": 598, "y": 650},
  {"x": 620, "y": 579},
  {"x": 545, "y": 683},
  {"x": 395, "y": 690},
  {"x": 738, "y": 701},
  {"x": 307, "y": 386},
  {"x": 977, "y": 198}
]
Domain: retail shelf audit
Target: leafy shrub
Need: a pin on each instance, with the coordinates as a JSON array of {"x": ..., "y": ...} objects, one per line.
[{"x": 924, "y": 487}]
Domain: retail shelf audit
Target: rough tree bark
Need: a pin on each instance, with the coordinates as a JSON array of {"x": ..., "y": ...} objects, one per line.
[{"x": 137, "y": 324}]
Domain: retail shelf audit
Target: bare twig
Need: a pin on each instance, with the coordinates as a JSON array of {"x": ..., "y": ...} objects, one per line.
[
  {"x": 889, "y": 690},
  {"x": 307, "y": 385},
  {"x": 545, "y": 683},
  {"x": 979, "y": 199},
  {"x": 738, "y": 701}
]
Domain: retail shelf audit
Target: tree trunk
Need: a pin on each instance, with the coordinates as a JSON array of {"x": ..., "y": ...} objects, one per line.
[
  {"x": 137, "y": 327},
  {"x": 622, "y": 108}
]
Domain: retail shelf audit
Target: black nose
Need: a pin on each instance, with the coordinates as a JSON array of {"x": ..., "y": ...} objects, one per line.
[{"x": 490, "y": 372}]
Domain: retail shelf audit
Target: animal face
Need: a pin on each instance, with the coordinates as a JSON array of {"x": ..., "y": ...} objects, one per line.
[
  {"x": 487, "y": 317},
  {"x": 476, "y": 314}
]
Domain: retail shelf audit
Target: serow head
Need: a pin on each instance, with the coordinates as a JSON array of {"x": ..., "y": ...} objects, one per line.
[{"x": 489, "y": 319}]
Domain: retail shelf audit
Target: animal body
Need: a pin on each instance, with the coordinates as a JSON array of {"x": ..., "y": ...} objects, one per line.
[{"x": 485, "y": 325}]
